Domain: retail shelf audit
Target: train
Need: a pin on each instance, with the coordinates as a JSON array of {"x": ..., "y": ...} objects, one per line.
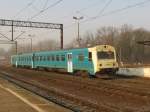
[{"x": 93, "y": 60}]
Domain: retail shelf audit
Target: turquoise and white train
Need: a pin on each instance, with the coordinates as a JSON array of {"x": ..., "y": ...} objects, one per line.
[{"x": 93, "y": 60}]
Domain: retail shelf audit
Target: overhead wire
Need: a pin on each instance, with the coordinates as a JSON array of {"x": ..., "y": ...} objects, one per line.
[
  {"x": 118, "y": 10},
  {"x": 31, "y": 4},
  {"x": 104, "y": 8},
  {"x": 113, "y": 12},
  {"x": 27, "y": 6},
  {"x": 23, "y": 9},
  {"x": 81, "y": 10},
  {"x": 43, "y": 10},
  {"x": 100, "y": 12},
  {"x": 45, "y": 4}
]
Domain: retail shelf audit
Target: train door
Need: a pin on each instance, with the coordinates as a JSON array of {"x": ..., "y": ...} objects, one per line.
[
  {"x": 32, "y": 60},
  {"x": 16, "y": 62},
  {"x": 69, "y": 63}
]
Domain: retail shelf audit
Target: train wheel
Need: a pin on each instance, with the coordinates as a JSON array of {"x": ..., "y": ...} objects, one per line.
[{"x": 81, "y": 73}]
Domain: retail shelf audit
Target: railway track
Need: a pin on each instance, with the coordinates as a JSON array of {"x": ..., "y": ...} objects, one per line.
[
  {"x": 65, "y": 100},
  {"x": 103, "y": 95},
  {"x": 100, "y": 84}
]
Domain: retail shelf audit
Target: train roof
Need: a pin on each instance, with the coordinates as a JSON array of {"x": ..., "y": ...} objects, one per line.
[{"x": 61, "y": 50}]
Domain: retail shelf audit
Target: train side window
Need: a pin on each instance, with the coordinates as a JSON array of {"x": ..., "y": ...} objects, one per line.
[
  {"x": 44, "y": 58},
  {"x": 90, "y": 56},
  {"x": 62, "y": 57},
  {"x": 69, "y": 56},
  {"x": 36, "y": 58},
  {"x": 48, "y": 58},
  {"x": 53, "y": 58},
  {"x": 57, "y": 57},
  {"x": 40, "y": 58},
  {"x": 81, "y": 57}
]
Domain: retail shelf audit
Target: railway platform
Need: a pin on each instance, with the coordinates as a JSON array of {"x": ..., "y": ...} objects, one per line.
[{"x": 16, "y": 99}]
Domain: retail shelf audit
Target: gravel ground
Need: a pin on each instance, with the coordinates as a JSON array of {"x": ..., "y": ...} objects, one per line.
[{"x": 115, "y": 93}]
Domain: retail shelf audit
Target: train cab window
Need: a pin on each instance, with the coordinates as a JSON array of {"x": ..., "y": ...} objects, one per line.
[
  {"x": 81, "y": 57},
  {"x": 105, "y": 55},
  {"x": 62, "y": 57},
  {"x": 90, "y": 56},
  {"x": 57, "y": 58}
]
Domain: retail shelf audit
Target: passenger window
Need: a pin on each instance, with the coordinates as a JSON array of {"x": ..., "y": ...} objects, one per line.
[
  {"x": 49, "y": 58},
  {"x": 53, "y": 58},
  {"x": 36, "y": 58},
  {"x": 57, "y": 57},
  {"x": 62, "y": 57},
  {"x": 90, "y": 56},
  {"x": 69, "y": 57},
  {"x": 81, "y": 57},
  {"x": 45, "y": 58},
  {"x": 41, "y": 58}
]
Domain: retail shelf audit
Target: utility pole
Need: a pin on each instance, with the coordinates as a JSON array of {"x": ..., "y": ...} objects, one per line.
[
  {"x": 16, "y": 47},
  {"x": 31, "y": 45},
  {"x": 12, "y": 28},
  {"x": 78, "y": 21}
]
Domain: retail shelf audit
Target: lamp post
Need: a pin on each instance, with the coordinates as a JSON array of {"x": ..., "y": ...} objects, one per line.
[
  {"x": 31, "y": 41},
  {"x": 78, "y": 21}
]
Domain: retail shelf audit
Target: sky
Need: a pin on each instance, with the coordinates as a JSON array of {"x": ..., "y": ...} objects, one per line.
[{"x": 96, "y": 13}]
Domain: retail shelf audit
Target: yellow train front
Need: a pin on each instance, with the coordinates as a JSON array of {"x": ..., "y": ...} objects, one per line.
[{"x": 104, "y": 59}]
